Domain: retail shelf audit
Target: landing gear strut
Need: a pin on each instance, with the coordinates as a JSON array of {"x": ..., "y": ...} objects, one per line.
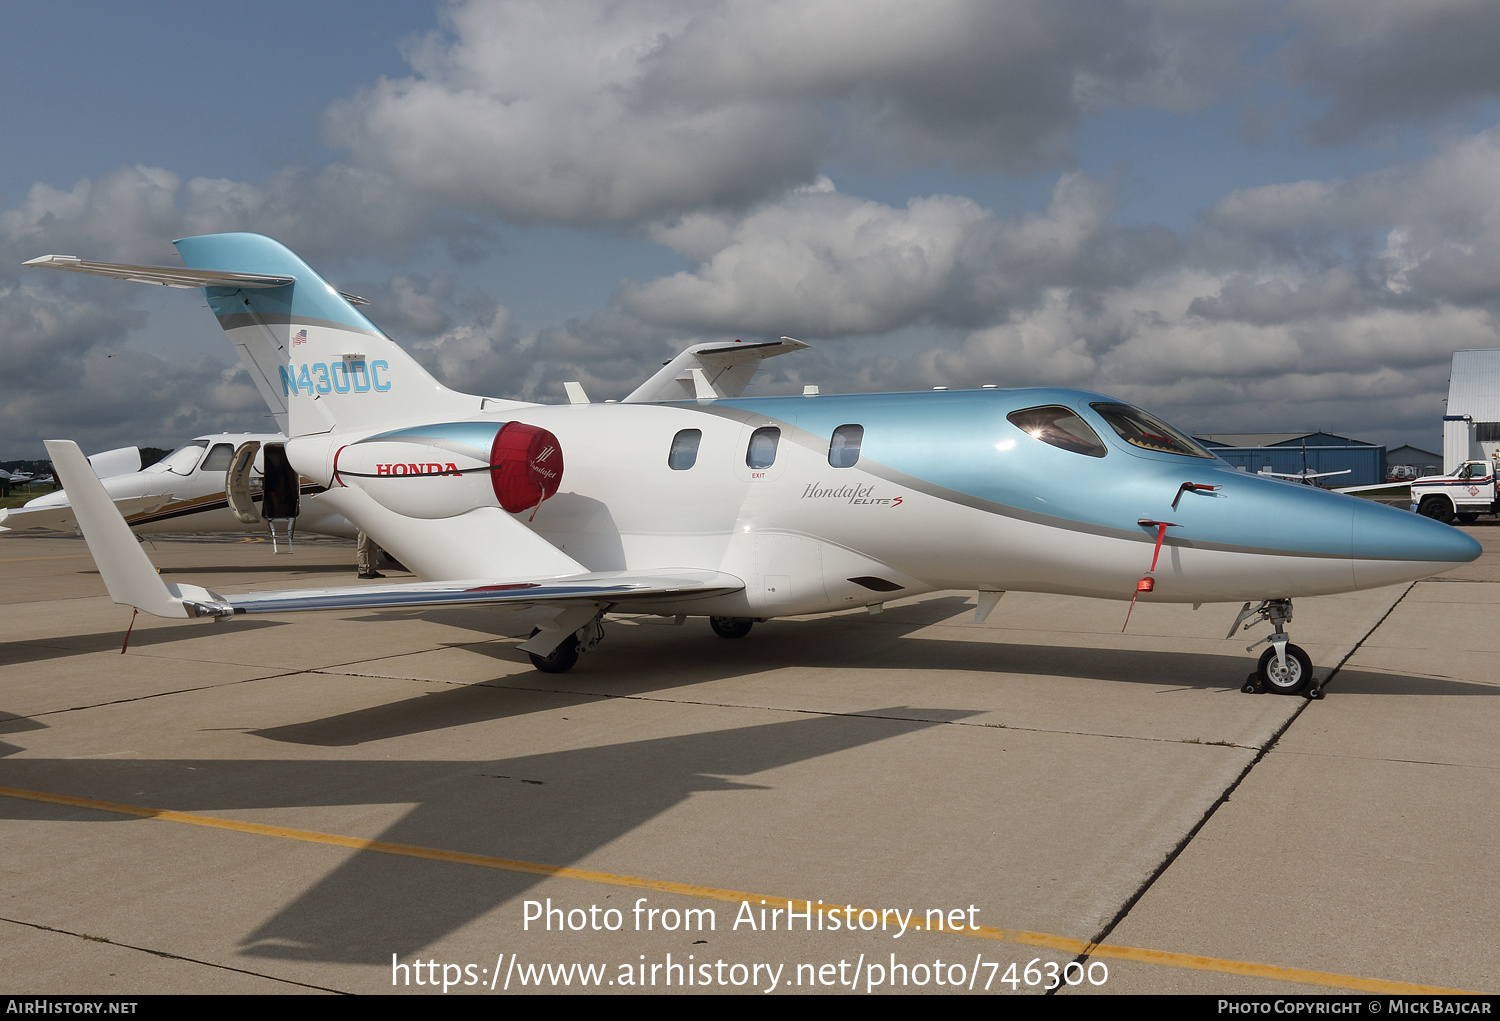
[
  {"x": 731, "y": 627},
  {"x": 1284, "y": 668}
]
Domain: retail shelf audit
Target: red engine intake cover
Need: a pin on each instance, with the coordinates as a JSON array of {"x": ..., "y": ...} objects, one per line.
[{"x": 526, "y": 466}]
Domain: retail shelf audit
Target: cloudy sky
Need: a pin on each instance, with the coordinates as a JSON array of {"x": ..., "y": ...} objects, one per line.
[{"x": 1251, "y": 216}]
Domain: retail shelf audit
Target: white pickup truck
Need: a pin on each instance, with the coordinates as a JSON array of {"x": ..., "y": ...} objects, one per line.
[{"x": 1466, "y": 494}]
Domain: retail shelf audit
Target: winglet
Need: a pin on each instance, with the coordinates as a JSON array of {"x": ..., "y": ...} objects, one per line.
[{"x": 124, "y": 566}]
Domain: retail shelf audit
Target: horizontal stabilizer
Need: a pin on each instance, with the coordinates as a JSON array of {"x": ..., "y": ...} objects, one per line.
[
  {"x": 714, "y": 369},
  {"x": 167, "y": 276},
  {"x": 172, "y": 276}
]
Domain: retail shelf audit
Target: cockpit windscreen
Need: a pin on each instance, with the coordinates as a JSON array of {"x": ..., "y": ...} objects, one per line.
[{"x": 1146, "y": 431}]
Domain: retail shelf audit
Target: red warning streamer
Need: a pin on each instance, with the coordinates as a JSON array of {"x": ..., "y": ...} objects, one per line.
[{"x": 1148, "y": 583}]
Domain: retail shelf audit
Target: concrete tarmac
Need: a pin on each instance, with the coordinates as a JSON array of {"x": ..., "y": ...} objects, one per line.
[{"x": 360, "y": 802}]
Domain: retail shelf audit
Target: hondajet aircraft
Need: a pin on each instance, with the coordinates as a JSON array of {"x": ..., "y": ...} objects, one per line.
[{"x": 687, "y": 499}]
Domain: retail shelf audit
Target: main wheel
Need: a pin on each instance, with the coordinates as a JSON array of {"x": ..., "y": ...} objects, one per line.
[
  {"x": 1436, "y": 508},
  {"x": 560, "y": 660},
  {"x": 731, "y": 627},
  {"x": 1291, "y": 681}
]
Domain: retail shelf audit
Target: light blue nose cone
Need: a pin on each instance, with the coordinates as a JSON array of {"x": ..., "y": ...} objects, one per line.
[{"x": 1385, "y": 533}]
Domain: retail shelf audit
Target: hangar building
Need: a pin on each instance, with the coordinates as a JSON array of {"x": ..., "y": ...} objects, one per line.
[
  {"x": 1471, "y": 428},
  {"x": 1291, "y": 453}
]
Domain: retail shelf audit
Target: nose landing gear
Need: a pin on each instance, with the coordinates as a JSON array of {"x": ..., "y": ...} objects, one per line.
[{"x": 1284, "y": 668}]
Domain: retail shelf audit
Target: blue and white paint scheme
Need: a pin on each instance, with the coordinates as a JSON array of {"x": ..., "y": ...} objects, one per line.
[{"x": 687, "y": 499}]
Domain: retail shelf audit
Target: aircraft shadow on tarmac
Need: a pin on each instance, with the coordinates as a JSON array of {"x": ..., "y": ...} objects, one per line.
[
  {"x": 12, "y": 724},
  {"x": 555, "y": 808},
  {"x": 33, "y": 650},
  {"x": 650, "y": 659}
]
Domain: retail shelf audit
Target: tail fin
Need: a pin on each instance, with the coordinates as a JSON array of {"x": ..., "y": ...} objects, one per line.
[{"x": 317, "y": 361}]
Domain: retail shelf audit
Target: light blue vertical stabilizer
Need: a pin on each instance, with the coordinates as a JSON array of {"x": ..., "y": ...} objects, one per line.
[{"x": 321, "y": 366}]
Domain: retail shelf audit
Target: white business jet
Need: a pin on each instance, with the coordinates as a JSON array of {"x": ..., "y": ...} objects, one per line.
[{"x": 199, "y": 487}]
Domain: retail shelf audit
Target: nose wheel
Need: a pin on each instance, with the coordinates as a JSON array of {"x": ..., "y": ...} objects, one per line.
[
  {"x": 1284, "y": 668},
  {"x": 1290, "y": 679}
]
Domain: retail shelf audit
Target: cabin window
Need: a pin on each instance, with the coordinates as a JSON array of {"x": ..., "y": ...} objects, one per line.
[
  {"x": 218, "y": 458},
  {"x": 684, "y": 452},
  {"x": 1060, "y": 427},
  {"x": 1146, "y": 431},
  {"x": 762, "y": 450},
  {"x": 843, "y": 449}
]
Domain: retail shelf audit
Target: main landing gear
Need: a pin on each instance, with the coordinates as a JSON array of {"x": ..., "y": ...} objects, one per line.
[
  {"x": 1284, "y": 668},
  {"x": 565, "y": 654},
  {"x": 731, "y": 627}
]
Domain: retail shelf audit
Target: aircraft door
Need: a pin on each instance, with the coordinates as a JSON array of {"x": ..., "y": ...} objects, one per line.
[
  {"x": 281, "y": 490},
  {"x": 764, "y": 448},
  {"x": 237, "y": 483}
]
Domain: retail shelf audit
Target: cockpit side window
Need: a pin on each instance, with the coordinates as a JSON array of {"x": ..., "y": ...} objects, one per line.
[
  {"x": 1060, "y": 427},
  {"x": 183, "y": 460},
  {"x": 1146, "y": 431}
]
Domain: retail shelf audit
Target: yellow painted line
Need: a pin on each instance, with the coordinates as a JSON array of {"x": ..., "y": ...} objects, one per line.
[
  {"x": 70, "y": 556},
  {"x": 1164, "y": 958}
]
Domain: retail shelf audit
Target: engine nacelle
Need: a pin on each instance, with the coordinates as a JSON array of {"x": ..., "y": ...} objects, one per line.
[{"x": 437, "y": 471}]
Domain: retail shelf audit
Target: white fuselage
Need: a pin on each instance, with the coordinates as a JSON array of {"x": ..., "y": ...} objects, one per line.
[
  {"x": 807, "y": 537},
  {"x": 184, "y": 492}
]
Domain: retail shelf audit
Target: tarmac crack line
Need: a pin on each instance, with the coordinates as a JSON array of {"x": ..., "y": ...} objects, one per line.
[
  {"x": 170, "y": 956},
  {"x": 156, "y": 694},
  {"x": 1038, "y": 939},
  {"x": 1182, "y": 845}
]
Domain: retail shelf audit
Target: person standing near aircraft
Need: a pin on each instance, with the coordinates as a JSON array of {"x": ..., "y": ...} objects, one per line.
[{"x": 365, "y": 553}]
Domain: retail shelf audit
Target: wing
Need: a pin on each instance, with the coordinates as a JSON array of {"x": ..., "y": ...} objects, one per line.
[
  {"x": 1300, "y": 477},
  {"x": 600, "y": 586},
  {"x": 133, "y": 581},
  {"x": 61, "y": 518}
]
